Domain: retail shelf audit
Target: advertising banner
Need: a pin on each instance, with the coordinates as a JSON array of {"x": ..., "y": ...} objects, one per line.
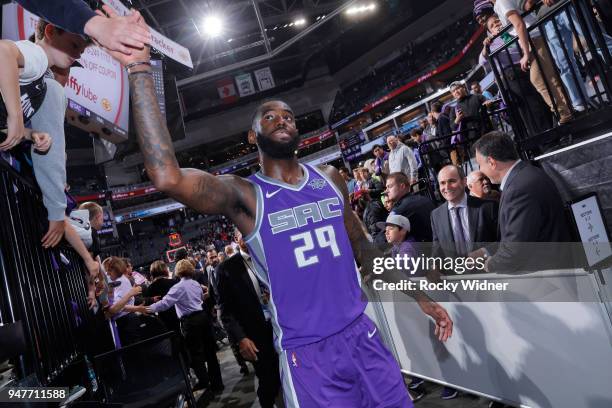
[{"x": 98, "y": 91}]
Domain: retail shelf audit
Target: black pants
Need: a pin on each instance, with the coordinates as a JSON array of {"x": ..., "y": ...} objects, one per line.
[
  {"x": 129, "y": 329},
  {"x": 200, "y": 342},
  {"x": 533, "y": 110},
  {"x": 266, "y": 369}
]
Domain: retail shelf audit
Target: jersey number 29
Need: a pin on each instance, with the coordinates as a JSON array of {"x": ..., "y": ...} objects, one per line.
[{"x": 326, "y": 238}]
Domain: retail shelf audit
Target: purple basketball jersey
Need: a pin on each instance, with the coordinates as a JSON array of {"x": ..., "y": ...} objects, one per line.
[{"x": 303, "y": 254}]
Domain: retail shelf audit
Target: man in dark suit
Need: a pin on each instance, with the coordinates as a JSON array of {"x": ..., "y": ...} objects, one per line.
[
  {"x": 462, "y": 224},
  {"x": 412, "y": 206},
  {"x": 243, "y": 304},
  {"x": 530, "y": 210},
  {"x": 443, "y": 124},
  {"x": 439, "y": 127}
]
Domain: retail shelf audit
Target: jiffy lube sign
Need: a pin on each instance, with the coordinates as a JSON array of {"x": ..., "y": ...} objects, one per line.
[{"x": 100, "y": 85}]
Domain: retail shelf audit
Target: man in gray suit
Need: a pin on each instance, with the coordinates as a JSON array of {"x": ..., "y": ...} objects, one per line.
[
  {"x": 462, "y": 224},
  {"x": 530, "y": 209}
]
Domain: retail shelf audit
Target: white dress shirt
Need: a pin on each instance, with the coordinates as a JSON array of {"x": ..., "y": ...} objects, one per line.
[
  {"x": 248, "y": 262},
  {"x": 401, "y": 159}
]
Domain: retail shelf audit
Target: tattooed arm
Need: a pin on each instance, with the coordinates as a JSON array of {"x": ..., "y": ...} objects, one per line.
[
  {"x": 365, "y": 252},
  {"x": 197, "y": 189}
]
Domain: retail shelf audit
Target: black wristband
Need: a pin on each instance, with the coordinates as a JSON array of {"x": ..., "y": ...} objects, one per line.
[{"x": 140, "y": 72}]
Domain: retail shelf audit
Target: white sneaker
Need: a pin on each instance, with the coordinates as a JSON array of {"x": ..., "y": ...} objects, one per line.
[{"x": 579, "y": 108}]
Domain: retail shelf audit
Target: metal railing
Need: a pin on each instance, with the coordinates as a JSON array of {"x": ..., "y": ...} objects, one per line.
[
  {"x": 454, "y": 148},
  {"x": 43, "y": 289},
  {"x": 571, "y": 70}
]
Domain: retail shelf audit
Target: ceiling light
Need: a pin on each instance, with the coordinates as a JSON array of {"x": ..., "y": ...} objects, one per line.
[
  {"x": 360, "y": 9},
  {"x": 212, "y": 26},
  {"x": 300, "y": 22}
]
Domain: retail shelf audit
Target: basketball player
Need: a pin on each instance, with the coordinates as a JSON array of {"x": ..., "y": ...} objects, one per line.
[{"x": 303, "y": 239}]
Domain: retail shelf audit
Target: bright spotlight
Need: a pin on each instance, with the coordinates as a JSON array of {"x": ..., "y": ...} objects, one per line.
[
  {"x": 361, "y": 9},
  {"x": 212, "y": 26},
  {"x": 300, "y": 22}
]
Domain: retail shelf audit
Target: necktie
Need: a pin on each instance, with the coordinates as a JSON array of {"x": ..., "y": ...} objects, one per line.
[{"x": 460, "y": 244}]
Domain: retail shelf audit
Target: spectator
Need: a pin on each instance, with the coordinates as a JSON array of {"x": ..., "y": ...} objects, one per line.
[
  {"x": 412, "y": 206},
  {"x": 416, "y": 139},
  {"x": 53, "y": 47},
  {"x": 480, "y": 186},
  {"x": 462, "y": 224},
  {"x": 122, "y": 307},
  {"x": 482, "y": 9},
  {"x": 186, "y": 297},
  {"x": 381, "y": 162},
  {"x": 560, "y": 37},
  {"x": 397, "y": 233},
  {"x": 477, "y": 90},
  {"x": 359, "y": 183},
  {"x": 439, "y": 127},
  {"x": 159, "y": 287},
  {"x": 229, "y": 251},
  {"x": 371, "y": 212},
  {"x": 371, "y": 185},
  {"x": 212, "y": 303},
  {"x": 388, "y": 204},
  {"x": 244, "y": 311},
  {"x": 119, "y": 33},
  {"x": 180, "y": 254},
  {"x": 402, "y": 160},
  {"x": 443, "y": 125},
  {"x": 470, "y": 119},
  {"x": 79, "y": 232},
  {"x": 212, "y": 260},
  {"x": 96, "y": 220},
  {"x": 525, "y": 98},
  {"x": 135, "y": 278},
  {"x": 198, "y": 258},
  {"x": 370, "y": 166},
  {"x": 509, "y": 12},
  {"x": 351, "y": 184},
  {"x": 221, "y": 256},
  {"x": 531, "y": 209}
]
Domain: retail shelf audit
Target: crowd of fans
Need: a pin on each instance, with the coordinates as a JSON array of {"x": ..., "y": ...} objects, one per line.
[{"x": 416, "y": 60}]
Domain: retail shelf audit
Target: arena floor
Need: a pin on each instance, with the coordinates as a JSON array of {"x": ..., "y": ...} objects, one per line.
[{"x": 240, "y": 390}]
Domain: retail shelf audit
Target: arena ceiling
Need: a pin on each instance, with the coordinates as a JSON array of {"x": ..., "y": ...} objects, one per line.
[
  {"x": 292, "y": 37},
  {"x": 292, "y": 32}
]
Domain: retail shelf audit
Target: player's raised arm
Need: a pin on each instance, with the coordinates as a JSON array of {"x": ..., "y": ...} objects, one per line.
[
  {"x": 365, "y": 252},
  {"x": 195, "y": 188}
]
